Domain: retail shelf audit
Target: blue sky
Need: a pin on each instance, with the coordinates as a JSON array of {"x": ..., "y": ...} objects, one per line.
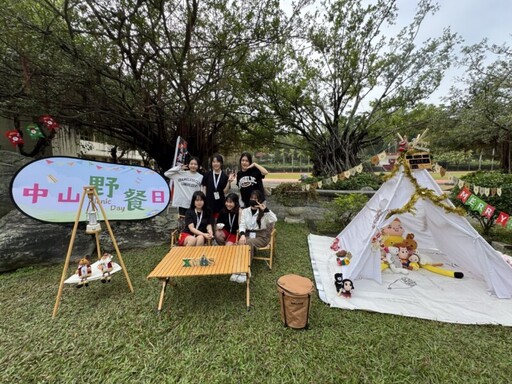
[{"x": 473, "y": 20}]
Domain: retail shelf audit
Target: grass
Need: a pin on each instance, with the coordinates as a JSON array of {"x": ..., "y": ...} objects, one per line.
[
  {"x": 106, "y": 334},
  {"x": 284, "y": 175}
]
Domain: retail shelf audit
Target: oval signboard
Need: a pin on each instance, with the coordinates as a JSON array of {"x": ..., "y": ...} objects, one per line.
[{"x": 50, "y": 189}]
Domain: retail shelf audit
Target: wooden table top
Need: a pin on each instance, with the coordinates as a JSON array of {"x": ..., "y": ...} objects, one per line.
[{"x": 228, "y": 259}]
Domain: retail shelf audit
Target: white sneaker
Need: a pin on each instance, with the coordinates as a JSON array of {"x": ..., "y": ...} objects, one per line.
[
  {"x": 234, "y": 277},
  {"x": 242, "y": 278}
]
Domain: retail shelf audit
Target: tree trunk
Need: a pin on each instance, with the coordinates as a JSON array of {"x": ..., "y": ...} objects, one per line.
[
  {"x": 505, "y": 155},
  {"x": 330, "y": 159}
]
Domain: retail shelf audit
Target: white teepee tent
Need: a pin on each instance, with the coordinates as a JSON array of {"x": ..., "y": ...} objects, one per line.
[{"x": 434, "y": 229}]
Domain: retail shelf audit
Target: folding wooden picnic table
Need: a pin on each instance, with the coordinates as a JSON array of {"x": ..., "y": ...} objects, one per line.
[{"x": 222, "y": 260}]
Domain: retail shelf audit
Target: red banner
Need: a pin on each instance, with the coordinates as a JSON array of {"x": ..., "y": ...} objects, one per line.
[{"x": 464, "y": 195}]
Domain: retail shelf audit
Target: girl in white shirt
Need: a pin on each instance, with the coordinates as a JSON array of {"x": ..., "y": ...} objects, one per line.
[
  {"x": 256, "y": 223},
  {"x": 186, "y": 180}
]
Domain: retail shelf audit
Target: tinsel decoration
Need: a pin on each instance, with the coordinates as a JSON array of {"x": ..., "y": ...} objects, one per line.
[{"x": 420, "y": 192}]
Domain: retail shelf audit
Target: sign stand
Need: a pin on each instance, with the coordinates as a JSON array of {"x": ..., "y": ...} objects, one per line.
[{"x": 90, "y": 192}]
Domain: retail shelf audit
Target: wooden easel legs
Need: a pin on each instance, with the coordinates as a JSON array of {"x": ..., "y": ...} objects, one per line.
[{"x": 90, "y": 192}]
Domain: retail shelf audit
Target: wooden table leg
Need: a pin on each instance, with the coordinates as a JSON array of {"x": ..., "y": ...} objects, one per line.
[
  {"x": 248, "y": 290},
  {"x": 161, "y": 301}
]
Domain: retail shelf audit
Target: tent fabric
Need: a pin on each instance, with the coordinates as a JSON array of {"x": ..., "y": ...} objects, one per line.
[
  {"x": 429, "y": 296},
  {"x": 434, "y": 228}
]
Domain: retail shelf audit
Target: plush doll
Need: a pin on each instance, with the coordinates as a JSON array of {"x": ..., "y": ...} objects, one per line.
[
  {"x": 426, "y": 263},
  {"x": 410, "y": 243},
  {"x": 392, "y": 233},
  {"x": 414, "y": 262},
  {"x": 84, "y": 271},
  {"x": 338, "y": 281},
  {"x": 105, "y": 266},
  {"x": 347, "y": 288},
  {"x": 403, "y": 255},
  {"x": 393, "y": 260}
]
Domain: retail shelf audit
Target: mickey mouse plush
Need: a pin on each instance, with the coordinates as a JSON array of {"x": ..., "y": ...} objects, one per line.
[{"x": 338, "y": 281}]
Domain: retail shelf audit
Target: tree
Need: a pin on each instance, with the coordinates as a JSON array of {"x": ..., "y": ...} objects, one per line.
[
  {"x": 343, "y": 75},
  {"x": 483, "y": 109},
  {"x": 143, "y": 72}
]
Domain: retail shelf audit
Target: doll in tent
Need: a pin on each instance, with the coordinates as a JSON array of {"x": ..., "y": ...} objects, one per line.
[
  {"x": 83, "y": 271},
  {"x": 105, "y": 266}
]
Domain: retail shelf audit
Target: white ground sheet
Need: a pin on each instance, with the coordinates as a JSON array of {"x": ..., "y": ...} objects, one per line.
[
  {"x": 430, "y": 296},
  {"x": 96, "y": 273}
]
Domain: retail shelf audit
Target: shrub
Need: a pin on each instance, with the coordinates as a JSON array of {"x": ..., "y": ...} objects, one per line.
[
  {"x": 357, "y": 182},
  {"x": 292, "y": 194},
  {"x": 342, "y": 209},
  {"x": 501, "y": 203}
]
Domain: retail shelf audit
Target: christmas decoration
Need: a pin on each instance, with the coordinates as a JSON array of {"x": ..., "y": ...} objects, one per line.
[
  {"x": 34, "y": 131},
  {"x": 49, "y": 122},
  {"x": 14, "y": 137}
]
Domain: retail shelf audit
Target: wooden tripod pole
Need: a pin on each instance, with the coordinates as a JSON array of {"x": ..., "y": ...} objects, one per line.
[
  {"x": 90, "y": 192},
  {"x": 114, "y": 242},
  {"x": 68, "y": 255}
]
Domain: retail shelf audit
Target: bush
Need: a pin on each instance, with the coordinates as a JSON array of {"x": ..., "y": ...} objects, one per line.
[
  {"x": 341, "y": 210},
  {"x": 357, "y": 182},
  {"x": 501, "y": 203},
  {"x": 292, "y": 195}
]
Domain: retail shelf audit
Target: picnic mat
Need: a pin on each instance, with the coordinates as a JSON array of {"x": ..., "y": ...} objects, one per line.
[{"x": 420, "y": 294}]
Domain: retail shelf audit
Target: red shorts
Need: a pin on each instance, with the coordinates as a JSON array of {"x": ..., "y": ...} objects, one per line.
[
  {"x": 183, "y": 236},
  {"x": 230, "y": 237}
]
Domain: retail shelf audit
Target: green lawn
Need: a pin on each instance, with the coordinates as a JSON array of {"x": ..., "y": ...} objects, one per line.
[
  {"x": 283, "y": 175},
  {"x": 106, "y": 334}
]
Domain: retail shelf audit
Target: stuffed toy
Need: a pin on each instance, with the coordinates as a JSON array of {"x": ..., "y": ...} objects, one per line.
[
  {"x": 84, "y": 271},
  {"x": 347, "y": 288},
  {"x": 392, "y": 233},
  {"x": 338, "y": 281},
  {"x": 393, "y": 260},
  {"x": 403, "y": 255},
  {"x": 410, "y": 243},
  {"x": 105, "y": 266},
  {"x": 413, "y": 262},
  {"x": 426, "y": 263}
]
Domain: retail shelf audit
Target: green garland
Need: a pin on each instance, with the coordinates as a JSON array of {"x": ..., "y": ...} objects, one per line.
[{"x": 420, "y": 192}]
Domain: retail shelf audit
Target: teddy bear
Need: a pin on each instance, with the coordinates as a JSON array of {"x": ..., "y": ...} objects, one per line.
[
  {"x": 410, "y": 243},
  {"x": 83, "y": 271},
  {"x": 338, "y": 281}
]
